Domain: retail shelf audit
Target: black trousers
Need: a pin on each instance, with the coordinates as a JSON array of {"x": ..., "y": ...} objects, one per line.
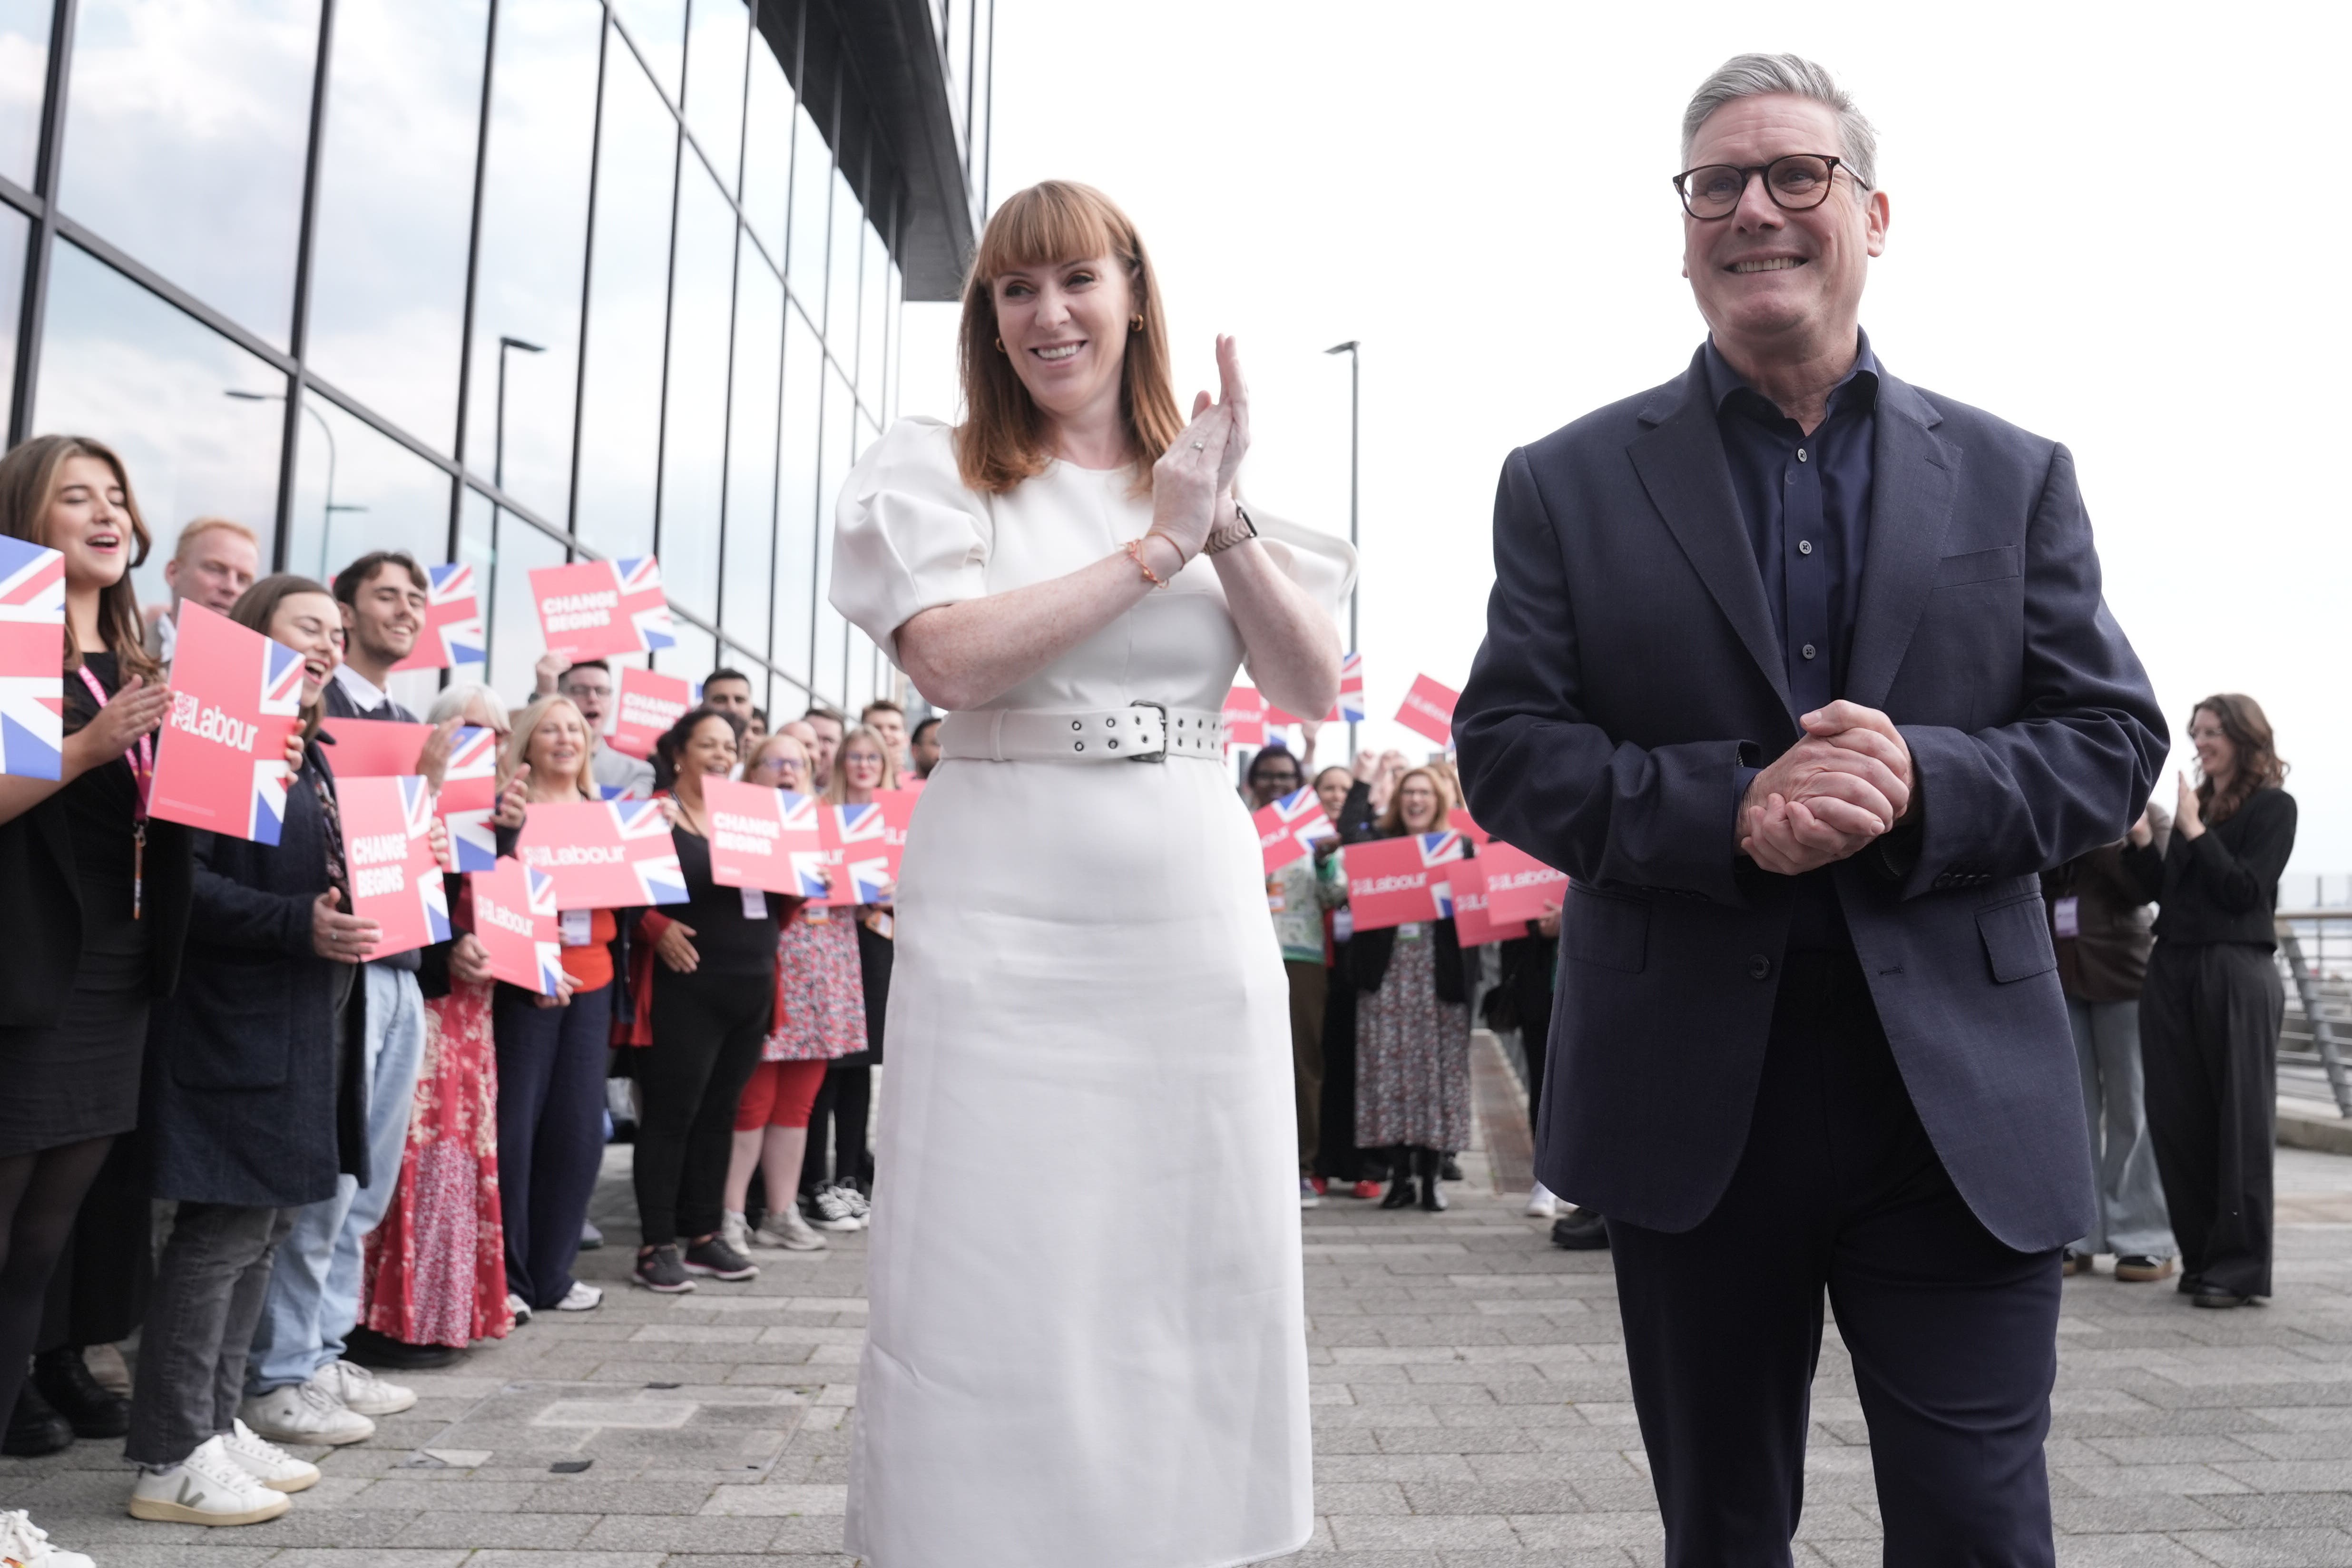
[
  {"x": 550, "y": 1133},
  {"x": 1335, "y": 1154},
  {"x": 98, "y": 1294},
  {"x": 708, "y": 1029},
  {"x": 2209, "y": 1031},
  {"x": 1953, "y": 1336}
]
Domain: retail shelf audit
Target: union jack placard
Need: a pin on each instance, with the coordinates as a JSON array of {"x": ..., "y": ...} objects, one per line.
[
  {"x": 32, "y": 660},
  {"x": 388, "y": 848},
  {"x": 1351, "y": 691},
  {"x": 453, "y": 633},
  {"x": 642, "y": 600},
  {"x": 865, "y": 845},
  {"x": 1392, "y": 881},
  {"x": 221, "y": 761},
  {"x": 515, "y": 921},
  {"x": 469, "y": 790},
  {"x": 1290, "y": 828},
  {"x": 604, "y": 855}
]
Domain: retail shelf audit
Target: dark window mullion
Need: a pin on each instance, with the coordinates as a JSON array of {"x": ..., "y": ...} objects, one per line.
[
  {"x": 473, "y": 277},
  {"x": 587, "y": 277},
  {"x": 33, "y": 305},
  {"x": 305, "y": 254}
]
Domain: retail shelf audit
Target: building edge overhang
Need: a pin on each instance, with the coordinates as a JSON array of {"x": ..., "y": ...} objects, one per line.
[{"x": 873, "y": 68}]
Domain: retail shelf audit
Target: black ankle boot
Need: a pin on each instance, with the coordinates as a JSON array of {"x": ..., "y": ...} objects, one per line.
[
  {"x": 34, "y": 1428},
  {"x": 64, "y": 1380},
  {"x": 1433, "y": 1190},
  {"x": 1403, "y": 1191}
]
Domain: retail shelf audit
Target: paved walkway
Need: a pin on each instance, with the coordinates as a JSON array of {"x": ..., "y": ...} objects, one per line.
[{"x": 1471, "y": 1410}]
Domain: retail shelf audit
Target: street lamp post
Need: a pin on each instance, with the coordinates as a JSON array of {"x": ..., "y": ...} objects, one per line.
[
  {"x": 1355, "y": 409},
  {"x": 499, "y": 437},
  {"x": 327, "y": 513}
]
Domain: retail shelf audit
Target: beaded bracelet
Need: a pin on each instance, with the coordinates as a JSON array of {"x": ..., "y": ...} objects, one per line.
[{"x": 1134, "y": 548}]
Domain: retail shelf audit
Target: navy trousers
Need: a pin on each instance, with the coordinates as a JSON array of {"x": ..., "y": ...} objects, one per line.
[
  {"x": 550, "y": 1133},
  {"x": 1953, "y": 1336}
]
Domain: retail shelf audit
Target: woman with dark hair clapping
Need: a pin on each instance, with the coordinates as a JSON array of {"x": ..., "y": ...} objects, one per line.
[
  {"x": 2211, "y": 1004},
  {"x": 708, "y": 1000}
]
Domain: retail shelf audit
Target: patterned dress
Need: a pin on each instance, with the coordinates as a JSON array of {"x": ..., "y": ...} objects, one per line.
[
  {"x": 1413, "y": 1055},
  {"x": 820, "y": 993},
  {"x": 436, "y": 1269}
]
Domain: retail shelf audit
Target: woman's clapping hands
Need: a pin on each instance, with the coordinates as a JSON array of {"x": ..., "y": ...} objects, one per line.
[{"x": 1192, "y": 482}]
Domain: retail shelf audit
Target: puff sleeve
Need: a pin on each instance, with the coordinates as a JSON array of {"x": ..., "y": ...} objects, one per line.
[
  {"x": 907, "y": 535},
  {"x": 1322, "y": 563}
]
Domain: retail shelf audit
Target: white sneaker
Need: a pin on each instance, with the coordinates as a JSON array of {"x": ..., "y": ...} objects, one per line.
[
  {"x": 733, "y": 1231},
  {"x": 838, "y": 1209},
  {"x": 208, "y": 1487},
  {"x": 268, "y": 1463},
  {"x": 24, "y": 1543},
  {"x": 359, "y": 1389},
  {"x": 1541, "y": 1204},
  {"x": 581, "y": 1298},
  {"x": 305, "y": 1412},
  {"x": 1308, "y": 1197},
  {"x": 519, "y": 1308},
  {"x": 786, "y": 1229}
]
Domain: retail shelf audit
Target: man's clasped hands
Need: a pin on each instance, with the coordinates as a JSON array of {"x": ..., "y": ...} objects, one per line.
[{"x": 1847, "y": 782}]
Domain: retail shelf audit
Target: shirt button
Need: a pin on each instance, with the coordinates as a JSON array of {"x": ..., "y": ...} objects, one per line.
[
  {"x": 1808, "y": 650},
  {"x": 1800, "y": 454},
  {"x": 1759, "y": 967},
  {"x": 1804, "y": 547}
]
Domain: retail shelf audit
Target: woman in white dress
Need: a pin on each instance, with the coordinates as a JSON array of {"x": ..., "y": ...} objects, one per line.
[{"x": 1101, "y": 1372}]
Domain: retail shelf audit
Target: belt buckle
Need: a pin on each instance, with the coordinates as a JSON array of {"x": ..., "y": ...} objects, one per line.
[{"x": 1161, "y": 754}]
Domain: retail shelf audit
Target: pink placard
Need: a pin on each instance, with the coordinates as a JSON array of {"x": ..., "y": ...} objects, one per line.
[
  {"x": 452, "y": 633},
  {"x": 32, "y": 659},
  {"x": 1393, "y": 880},
  {"x": 1518, "y": 885},
  {"x": 1245, "y": 717},
  {"x": 221, "y": 761},
  {"x": 1429, "y": 709},
  {"x": 515, "y": 921},
  {"x": 1473, "y": 926},
  {"x": 763, "y": 837},
  {"x": 388, "y": 850},
  {"x": 646, "y": 704},
  {"x": 595, "y": 609},
  {"x": 1289, "y": 827},
  {"x": 604, "y": 855},
  {"x": 864, "y": 844}
]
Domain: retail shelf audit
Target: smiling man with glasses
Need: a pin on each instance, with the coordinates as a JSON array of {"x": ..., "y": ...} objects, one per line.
[{"x": 1802, "y": 674}]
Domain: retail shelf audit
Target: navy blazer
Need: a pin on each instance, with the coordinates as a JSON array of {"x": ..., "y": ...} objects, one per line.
[
  {"x": 1631, "y": 665},
  {"x": 256, "y": 1095}
]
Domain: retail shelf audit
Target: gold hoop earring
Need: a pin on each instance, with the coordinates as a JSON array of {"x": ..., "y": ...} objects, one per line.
[
  {"x": 1135, "y": 324},
  {"x": 1000, "y": 345}
]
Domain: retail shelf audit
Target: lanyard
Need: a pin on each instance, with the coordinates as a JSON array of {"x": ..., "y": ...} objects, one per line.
[{"x": 142, "y": 758}]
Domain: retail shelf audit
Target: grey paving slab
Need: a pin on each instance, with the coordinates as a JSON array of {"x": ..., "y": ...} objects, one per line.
[{"x": 1471, "y": 1410}]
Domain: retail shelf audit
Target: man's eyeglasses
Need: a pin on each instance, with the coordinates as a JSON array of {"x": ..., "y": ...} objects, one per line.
[{"x": 1797, "y": 183}]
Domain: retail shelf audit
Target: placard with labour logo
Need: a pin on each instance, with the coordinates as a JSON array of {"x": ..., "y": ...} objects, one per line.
[{"x": 220, "y": 763}]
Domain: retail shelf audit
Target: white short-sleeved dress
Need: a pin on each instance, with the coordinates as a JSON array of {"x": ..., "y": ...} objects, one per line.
[{"x": 1067, "y": 1367}]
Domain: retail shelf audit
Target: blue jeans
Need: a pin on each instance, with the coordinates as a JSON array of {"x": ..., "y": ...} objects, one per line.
[
  {"x": 2133, "y": 1220},
  {"x": 314, "y": 1291}
]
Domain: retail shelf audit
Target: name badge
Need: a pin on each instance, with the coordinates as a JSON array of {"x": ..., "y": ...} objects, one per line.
[
  {"x": 2067, "y": 915},
  {"x": 755, "y": 903},
  {"x": 1343, "y": 924},
  {"x": 1275, "y": 899},
  {"x": 576, "y": 927},
  {"x": 1409, "y": 931},
  {"x": 816, "y": 914},
  {"x": 880, "y": 924}
]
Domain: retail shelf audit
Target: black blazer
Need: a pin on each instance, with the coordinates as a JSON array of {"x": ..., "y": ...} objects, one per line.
[
  {"x": 1631, "y": 667},
  {"x": 256, "y": 1094},
  {"x": 41, "y": 918},
  {"x": 2223, "y": 887}
]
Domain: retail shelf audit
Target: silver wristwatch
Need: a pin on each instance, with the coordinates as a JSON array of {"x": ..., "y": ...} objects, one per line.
[{"x": 1241, "y": 532}]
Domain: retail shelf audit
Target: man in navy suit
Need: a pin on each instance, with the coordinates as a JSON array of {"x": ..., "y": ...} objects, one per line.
[{"x": 1802, "y": 674}]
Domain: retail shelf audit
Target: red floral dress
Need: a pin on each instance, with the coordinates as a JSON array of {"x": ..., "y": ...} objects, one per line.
[
  {"x": 820, "y": 992},
  {"x": 436, "y": 1272}
]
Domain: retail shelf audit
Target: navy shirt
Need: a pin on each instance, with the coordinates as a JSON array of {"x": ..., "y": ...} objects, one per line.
[{"x": 1806, "y": 501}]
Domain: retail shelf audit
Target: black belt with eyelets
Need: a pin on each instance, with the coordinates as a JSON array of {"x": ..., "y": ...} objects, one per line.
[{"x": 1137, "y": 732}]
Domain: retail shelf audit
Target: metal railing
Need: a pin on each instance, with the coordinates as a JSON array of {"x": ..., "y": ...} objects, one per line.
[{"x": 2315, "y": 957}]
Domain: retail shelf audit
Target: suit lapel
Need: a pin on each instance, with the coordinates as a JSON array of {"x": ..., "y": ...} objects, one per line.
[
  {"x": 1682, "y": 465},
  {"x": 1915, "y": 475}
]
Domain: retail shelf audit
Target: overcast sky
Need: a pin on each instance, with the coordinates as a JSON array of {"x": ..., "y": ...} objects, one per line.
[{"x": 2108, "y": 228}]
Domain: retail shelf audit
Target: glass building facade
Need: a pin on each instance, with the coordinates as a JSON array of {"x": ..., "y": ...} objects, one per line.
[{"x": 507, "y": 281}]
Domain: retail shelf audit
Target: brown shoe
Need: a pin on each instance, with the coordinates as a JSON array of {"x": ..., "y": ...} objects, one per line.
[
  {"x": 2139, "y": 1270},
  {"x": 2073, "y": 1263}
]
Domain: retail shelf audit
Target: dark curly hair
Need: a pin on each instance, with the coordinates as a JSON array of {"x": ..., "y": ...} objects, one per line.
[{"x": 672, "y": 744}]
